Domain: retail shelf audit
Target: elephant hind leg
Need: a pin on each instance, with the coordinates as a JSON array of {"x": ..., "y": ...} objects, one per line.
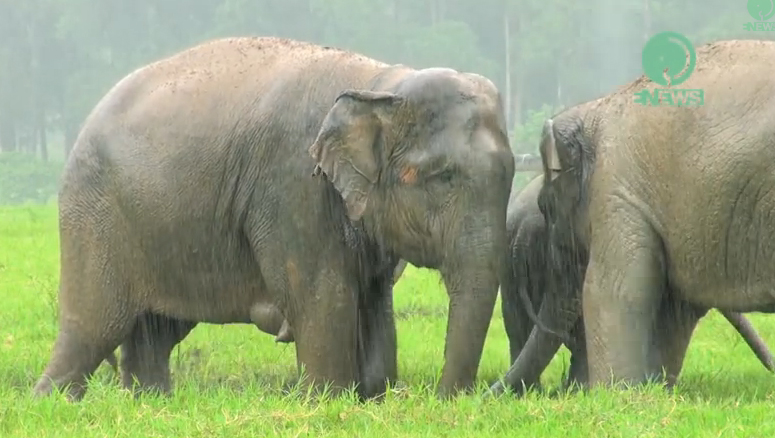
[
  {"x": 75, "y": 357},
  {"x": 623, "y": 287},
  {"x": 93, "y": 321},
  {"x": 145, "y": 355}
]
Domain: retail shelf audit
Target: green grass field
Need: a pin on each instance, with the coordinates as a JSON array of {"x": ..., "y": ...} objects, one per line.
[{"x": 228, "y": 378}]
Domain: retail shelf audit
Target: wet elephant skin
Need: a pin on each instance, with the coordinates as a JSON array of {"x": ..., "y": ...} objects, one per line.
[{"x": 271, "y": 181}]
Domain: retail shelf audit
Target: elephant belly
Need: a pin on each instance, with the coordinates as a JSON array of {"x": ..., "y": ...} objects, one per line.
[
  {"x": 204, "y": 290},
  {"x": 232, "y": 303},
  {"x": 741, "y": 287},
  {"x": 733, "y": 298},
  {"x": 719, "y": 232}
]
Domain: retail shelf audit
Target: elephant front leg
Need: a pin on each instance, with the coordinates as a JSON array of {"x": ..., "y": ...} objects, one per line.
[
  {"x": 377, "y": 344},
  {"x": 325, "y": 325},
  {"x": 578, "y": 374},
  {"x": 622, "y": 291}
]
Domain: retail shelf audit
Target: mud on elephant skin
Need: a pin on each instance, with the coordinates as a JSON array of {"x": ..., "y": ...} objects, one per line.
[
  {"x": 673, "y": 203},
  {"x": 525, "y": 292},
  {"x": 262, "y": 180}
]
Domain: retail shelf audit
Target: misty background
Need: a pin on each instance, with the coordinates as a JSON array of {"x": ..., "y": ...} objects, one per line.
[{"x": 59, "y": 57}]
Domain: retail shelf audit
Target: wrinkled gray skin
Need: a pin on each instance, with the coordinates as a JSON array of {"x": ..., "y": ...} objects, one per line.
[
  {"x": 285, "y": 334},
  {"x": 531, "y": 348},
  {"x": 674, "y": 204},
  {"x": 262, "y": 180}
]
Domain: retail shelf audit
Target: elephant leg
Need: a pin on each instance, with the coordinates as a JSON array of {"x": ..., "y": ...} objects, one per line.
[
  {"x": 622, "y": 292},
  {"x": 94, "y": 319},
  {"x": 145, "y": 355},
  {"x": 578, "y": 374},
  {"x": 76, "y": 355},
  {"x": 674, "y": 328},
  {"x": 377, "y": 345},
  {"x": 326, "y": 332}
]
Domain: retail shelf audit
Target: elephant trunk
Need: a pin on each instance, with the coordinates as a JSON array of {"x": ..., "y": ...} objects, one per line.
[
  {"x": 471, "y": 278},
  {"x": 526, "y": 371},
  {"x": 472, "y": 296},
  {"x": 535, "y": 319},
  {"x": 561, "y": 309}
]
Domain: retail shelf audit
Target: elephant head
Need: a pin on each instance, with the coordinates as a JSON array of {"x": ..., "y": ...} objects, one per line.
[{"x": 425, "y": 168}]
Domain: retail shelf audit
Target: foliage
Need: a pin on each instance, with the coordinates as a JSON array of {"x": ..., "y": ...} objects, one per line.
[
  {"x": 228, "y": 378},
  {"x": 58, "y": 58},
  {"x": 26, "y": 178},
  {"x": 525, "y": 140},
  {"x": 527, "y": 134}
]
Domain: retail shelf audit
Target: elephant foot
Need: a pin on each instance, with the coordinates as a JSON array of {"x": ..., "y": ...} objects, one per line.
[
  {"x": 571, "y": 386},
  {"x": 496, "y": 390},
  {"x": 73, "y": 362},
  {"x": 499, "y": 388}
]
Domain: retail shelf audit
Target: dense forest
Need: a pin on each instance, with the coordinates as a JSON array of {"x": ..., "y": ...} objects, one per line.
[{"x": 58, "y": 57}]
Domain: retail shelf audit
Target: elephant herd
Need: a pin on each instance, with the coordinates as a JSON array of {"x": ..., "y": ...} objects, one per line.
[{"x": 283, "y": 184}]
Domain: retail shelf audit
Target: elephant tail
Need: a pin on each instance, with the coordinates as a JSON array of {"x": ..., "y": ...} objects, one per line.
[{"x": 751, "y": 337}]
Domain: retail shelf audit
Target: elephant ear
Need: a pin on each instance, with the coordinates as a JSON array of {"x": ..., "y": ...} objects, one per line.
[
  {"x": 345, "y": 149},
  {"x": 548, "y": 149}
]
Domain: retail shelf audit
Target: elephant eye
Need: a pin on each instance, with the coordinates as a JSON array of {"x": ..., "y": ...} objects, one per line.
[{"x": 446, "y": 176}]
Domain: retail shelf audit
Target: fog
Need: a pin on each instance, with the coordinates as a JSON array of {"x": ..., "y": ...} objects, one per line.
[{"x": 58, "y": 58}]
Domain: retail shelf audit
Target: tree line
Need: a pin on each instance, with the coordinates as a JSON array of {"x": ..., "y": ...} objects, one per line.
[{"x": 59, "y": 57}]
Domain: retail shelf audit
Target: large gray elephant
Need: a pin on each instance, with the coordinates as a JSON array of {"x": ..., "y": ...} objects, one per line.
[
  {"x": 673, "y": 203},
  {"x": 525, "y": 293},
  {"x": 262, "y": 180}
]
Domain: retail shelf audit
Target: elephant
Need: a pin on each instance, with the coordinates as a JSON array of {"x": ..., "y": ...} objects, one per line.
[
  {"x": 316, "y": 170},
  {"x": 672, "y": 203},
  {"x": 525, "y": 292},
  {"x": 285, "y": 334}
]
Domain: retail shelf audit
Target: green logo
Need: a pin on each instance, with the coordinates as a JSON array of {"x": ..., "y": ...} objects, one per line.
[
  {"x": 669, "y": 59},
  {"x": 761, "y": 9}
]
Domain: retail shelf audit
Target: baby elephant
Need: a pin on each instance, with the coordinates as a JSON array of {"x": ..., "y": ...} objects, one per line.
[{"x": 547, "y": 280}]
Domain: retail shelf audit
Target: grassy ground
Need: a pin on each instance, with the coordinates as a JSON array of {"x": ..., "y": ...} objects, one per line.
[{"x": 227, "y": 378}]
